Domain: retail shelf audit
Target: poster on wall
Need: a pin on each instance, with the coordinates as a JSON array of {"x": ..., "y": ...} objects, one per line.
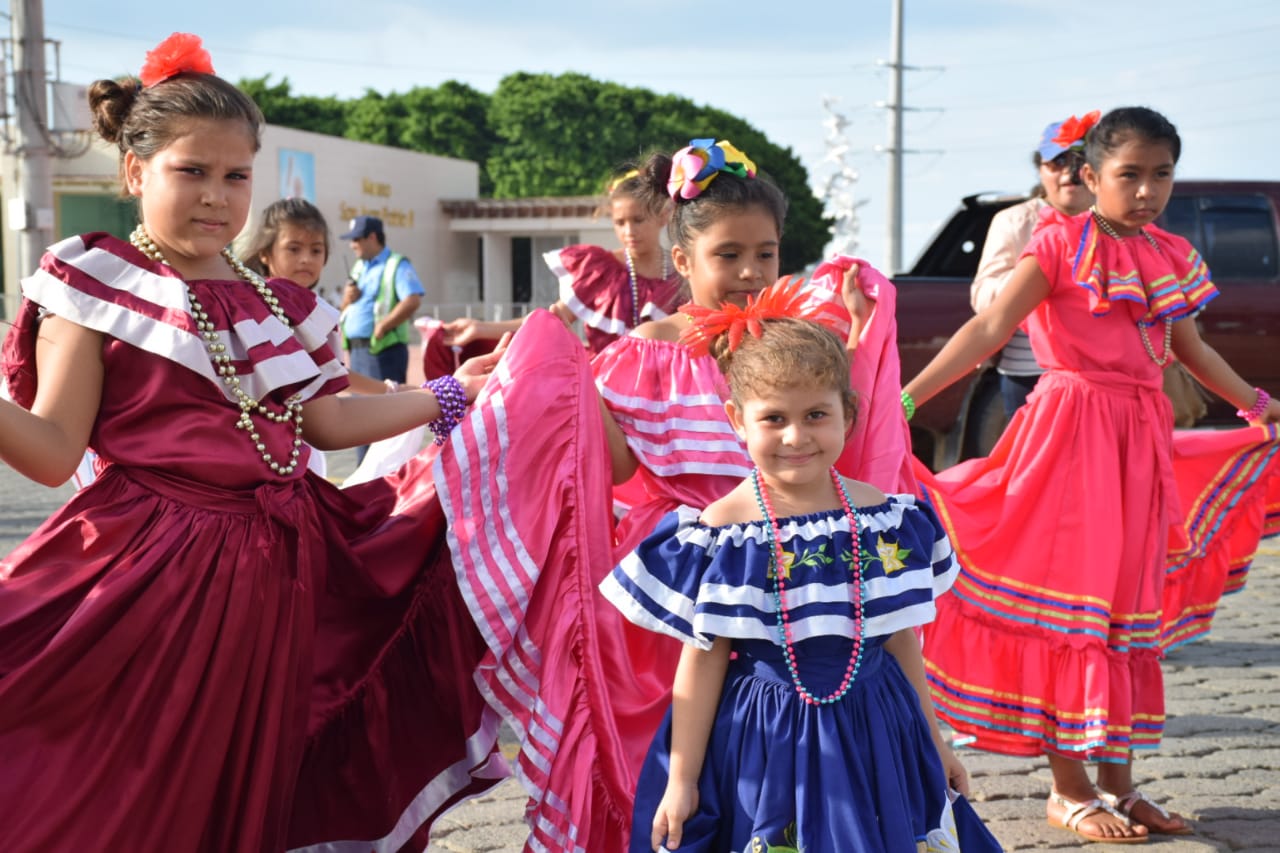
[{"x": 297, "y": 174}]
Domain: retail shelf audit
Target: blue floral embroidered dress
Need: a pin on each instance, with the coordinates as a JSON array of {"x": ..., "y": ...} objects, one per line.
[{"x": 861, "y": 774}]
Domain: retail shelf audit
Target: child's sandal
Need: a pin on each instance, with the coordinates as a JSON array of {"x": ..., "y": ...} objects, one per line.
[
  {"x": 1076, "y": 812},
  {"x": 1124, "y": 804}
]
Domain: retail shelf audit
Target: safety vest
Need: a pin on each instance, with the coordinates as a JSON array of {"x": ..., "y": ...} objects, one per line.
[{"x": 385, "y": 301}]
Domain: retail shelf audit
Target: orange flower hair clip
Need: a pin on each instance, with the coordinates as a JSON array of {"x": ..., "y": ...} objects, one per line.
[
  {"x": 178, "y": 53},
  {"x": 784, "y": 298}
]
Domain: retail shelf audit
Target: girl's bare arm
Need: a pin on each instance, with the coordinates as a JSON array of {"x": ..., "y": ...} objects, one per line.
[
  {"x": 1212, "y": 370},
  {"x": 984, "y": 333},
  {"x": 694, "y": 699},
  {"x": 47, "y": 442},
  {"x": 904, "y": 645}
]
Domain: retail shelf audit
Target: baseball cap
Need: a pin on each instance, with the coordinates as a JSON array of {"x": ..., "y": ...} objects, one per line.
[
  {"x": 1048, "y": 148},
  {"x": 362, "y": 226},
  {"x": 1062, "y": 136}
]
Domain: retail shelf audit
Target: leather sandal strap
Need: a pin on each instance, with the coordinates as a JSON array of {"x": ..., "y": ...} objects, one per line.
[
  {"x": 1076, "y": 812},
  {"x": 1125, "y": 802}
]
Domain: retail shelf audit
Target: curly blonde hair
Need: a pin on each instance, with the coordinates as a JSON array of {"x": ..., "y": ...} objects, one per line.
[{"x": 790, "y": 352}]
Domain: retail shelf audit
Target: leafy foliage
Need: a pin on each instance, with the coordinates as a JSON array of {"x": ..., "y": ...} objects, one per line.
[
  {"x": 550, "y": 135},
  {"x": 304, "y": 112}
]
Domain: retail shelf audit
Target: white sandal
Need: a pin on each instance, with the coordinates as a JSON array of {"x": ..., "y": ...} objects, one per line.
[
  {"x": 1124, "y": 803},
  {"x": 1076, "y": 812}
]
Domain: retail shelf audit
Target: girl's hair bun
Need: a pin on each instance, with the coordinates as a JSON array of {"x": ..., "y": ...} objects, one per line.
[{"x": 110, "y": 102}]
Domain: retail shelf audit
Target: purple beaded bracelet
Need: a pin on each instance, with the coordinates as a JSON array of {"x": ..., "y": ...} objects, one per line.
[
  {"x": 1259, "y": 407},
  {"x": 453, "y": 405}
]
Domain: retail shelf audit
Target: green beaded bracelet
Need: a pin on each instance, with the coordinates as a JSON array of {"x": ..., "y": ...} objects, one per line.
[{"x": 908, "y": 405}]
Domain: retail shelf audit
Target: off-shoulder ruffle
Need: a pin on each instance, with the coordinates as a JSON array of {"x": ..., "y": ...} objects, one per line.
[
  {"x": 102, "y": 283},
  {"x": 696, "y": 583},
  {"x": 1166, "y": 280}
]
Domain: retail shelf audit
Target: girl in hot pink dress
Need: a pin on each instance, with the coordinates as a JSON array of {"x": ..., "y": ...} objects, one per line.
[
  {"x": 1050, "y": 640},
  {"x": 210, "y": 648},
  {"x": 610, "y": 290},
  {"x": 532, "y": 501}
]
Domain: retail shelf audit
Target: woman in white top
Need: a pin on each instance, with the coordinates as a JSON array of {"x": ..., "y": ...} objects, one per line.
[{"x": 1058, "y": 158}]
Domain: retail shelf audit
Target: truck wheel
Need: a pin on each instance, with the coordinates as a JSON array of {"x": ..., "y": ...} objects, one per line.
[{"x": 986, "y": 421}]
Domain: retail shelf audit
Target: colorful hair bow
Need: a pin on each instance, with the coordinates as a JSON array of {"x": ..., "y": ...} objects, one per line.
[
  {"x": 1073, "y": 130},
  {"x": 620, "y": 180},
  {"x": 784, "y": 298},
  {"x": 696, "y": 166},
  {"x": 178, "y": 53}
]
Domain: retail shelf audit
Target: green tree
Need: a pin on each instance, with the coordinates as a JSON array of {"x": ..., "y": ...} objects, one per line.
[
  {"x": 550, "y": 135},
  {"x": 305, "y": 112},
  {"x": 452, "y": 121},
  {"x": 563, "y": 135},
  {"x": 377, "y": 118}
]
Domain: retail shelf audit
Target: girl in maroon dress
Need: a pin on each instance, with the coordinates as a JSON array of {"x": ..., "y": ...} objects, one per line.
[{"x": 209, "y": 648}]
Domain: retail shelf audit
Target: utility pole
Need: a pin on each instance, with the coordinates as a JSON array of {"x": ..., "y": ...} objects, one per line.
[
  {"x": 895, "y": 148},
  {"x": 893, "y": 243},
  {"x": 31, "y": 209}
]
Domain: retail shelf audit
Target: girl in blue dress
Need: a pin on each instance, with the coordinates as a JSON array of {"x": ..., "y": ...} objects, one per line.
[{"x": 800, "y": 719}]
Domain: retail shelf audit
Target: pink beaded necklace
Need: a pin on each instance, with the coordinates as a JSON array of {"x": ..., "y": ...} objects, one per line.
[{"x": 784, "y": 619}]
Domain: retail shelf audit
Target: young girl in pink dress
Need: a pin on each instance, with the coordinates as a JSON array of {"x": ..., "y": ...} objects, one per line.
[
  {"x": 610, "y": 290},
  {"x": 1050, "y": 640},
  {"x": 532, "y": 502},
  {"x": 800, "y": 716},
  {"x": 209, "y": 648}
]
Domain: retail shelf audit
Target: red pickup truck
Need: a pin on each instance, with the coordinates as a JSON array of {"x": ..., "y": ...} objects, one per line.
[{"x": 1234, "y": 224}]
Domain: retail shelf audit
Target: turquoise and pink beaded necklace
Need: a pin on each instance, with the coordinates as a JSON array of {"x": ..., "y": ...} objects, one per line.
[{"x": 784, "y": 619}]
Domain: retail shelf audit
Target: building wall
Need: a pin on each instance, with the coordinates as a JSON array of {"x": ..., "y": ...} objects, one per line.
[{"x": 342, "y": 177}]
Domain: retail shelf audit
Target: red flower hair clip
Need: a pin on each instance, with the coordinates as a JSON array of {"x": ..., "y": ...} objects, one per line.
[
  {"x": 178, "y": 53},
  {"x": 784, "y": 298},
  {"x": 1074, "y": 129}
]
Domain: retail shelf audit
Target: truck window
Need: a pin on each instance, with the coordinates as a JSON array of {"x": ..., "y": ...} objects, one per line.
[
  {"x": 1234, "y": 233},
  {"x": 955, "y": 250}
]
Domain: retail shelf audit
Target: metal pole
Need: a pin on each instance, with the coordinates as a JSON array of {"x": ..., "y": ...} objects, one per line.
[
  {"x": 33, "y": 206},
  {"x": 893, "y": 244}
]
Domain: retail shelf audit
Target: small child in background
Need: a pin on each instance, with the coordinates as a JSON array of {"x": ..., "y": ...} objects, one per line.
[
  {"x": 800, "y": 717},
  {"x": 293, "y": 242}
]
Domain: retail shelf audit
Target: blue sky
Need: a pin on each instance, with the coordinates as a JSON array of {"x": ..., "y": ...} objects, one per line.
[{"x": 994, "y": 71}]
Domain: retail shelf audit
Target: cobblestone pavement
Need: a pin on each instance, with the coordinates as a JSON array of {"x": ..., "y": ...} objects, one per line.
[{"x": 1219, "y": 763}]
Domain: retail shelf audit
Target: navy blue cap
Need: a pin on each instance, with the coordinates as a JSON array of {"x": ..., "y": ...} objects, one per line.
[{"x": 362, "y": 226}]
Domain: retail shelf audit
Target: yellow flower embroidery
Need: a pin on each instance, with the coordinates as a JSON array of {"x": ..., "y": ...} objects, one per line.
[
  {"x": 788, "y": 560},
  {"x": 892, "y": 557}
]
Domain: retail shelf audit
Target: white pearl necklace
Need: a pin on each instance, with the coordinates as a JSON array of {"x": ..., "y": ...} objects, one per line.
[
  {"x": 218, "y": 355},
  {"x": 635, "y": 287},
  {"x": 1165, "y": 357}
]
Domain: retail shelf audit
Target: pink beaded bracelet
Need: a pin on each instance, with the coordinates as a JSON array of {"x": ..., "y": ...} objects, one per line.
[{"x": 1259, "y": 407}]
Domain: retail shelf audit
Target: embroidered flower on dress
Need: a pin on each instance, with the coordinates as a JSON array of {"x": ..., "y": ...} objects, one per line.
[
  {"x": 178, "y": 53},
  {"x": 788, "y": 560},
  {"x": 944, "y": 839},
  {"x": 892, "y": 557},
  {"x": 812, "y": 559},
  {"x": 789, "y": 843}
]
